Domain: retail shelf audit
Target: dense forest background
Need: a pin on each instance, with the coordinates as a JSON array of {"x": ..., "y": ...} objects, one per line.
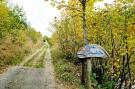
[
  {"x": 17, "y": 38},
  {"x": 112, "y": 27}
]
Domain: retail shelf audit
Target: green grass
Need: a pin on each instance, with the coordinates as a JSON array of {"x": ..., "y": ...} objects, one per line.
[
  {"x": 29, "y": 63},
  {"x": 16, "y": 60},
  {"x": 66, "y": 72},
  {"x": 39, "y": 64}
]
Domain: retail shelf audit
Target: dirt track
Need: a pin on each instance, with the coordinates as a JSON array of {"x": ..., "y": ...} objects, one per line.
[{"x": 20, "y": 77}]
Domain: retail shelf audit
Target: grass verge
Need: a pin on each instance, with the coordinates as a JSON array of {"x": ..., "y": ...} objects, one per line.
[
  {"x": 66, "y": 72},
  {"x": 41, "y": 62}
]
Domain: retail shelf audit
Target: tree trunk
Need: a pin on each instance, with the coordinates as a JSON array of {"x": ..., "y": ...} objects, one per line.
[{"x": 88, "y": 61}]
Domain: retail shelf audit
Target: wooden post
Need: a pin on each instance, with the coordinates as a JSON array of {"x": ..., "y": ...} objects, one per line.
[
  {"x": 88, "y": 73},
  {"x": 87, "y": 62},
  {"x": 83, "y": 73},
  {"x": 87, "y": 54}
]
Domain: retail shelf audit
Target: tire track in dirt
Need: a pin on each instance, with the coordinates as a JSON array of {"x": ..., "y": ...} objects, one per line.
[
  {"x": 30, "y": 57},
  {"x": 37, "y": 58},
  {"x": 49, "y": 70},
  {"x": 20, "y": 77}
]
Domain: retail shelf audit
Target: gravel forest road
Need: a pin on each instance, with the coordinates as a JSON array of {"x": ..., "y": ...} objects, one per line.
[{"x": 21, "y": 77}]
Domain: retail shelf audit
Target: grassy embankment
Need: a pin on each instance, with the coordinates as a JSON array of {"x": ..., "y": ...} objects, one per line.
[
  {"x": 17, "y": 39},
  {"x": 67, "y": 73}
]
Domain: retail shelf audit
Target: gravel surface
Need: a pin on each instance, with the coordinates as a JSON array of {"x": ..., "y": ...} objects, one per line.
[
  {"x": 50, "y": 79},
  {"x": 20, "y": 77}
]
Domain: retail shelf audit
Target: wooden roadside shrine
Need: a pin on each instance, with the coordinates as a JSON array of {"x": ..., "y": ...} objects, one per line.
[{"x": 86, "y": 54}]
